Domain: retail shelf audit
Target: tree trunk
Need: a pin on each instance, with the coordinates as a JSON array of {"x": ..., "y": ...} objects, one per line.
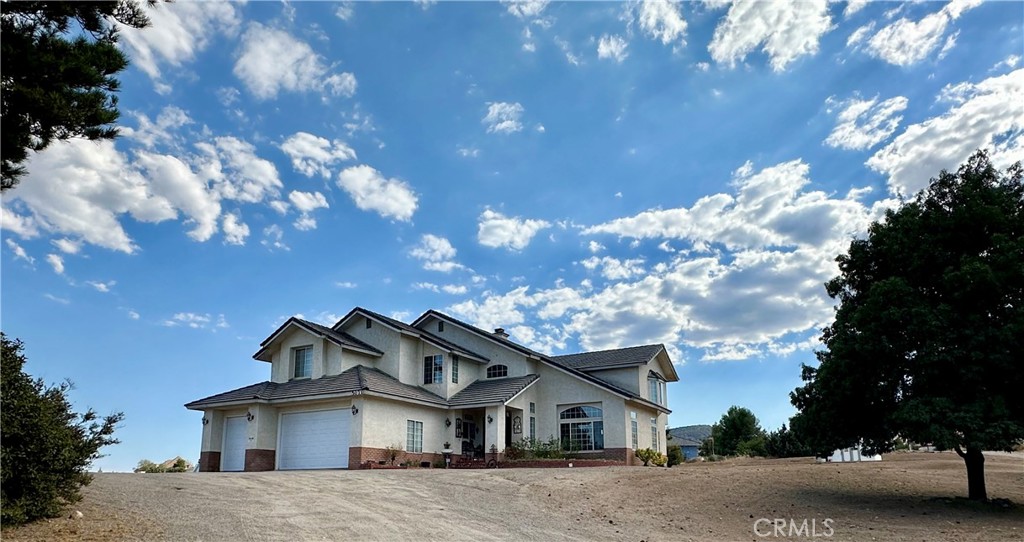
[{"x": 975, "y": 462}]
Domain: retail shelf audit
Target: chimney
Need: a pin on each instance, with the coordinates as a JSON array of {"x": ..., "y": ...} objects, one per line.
[{"x": 500, "y": 331}]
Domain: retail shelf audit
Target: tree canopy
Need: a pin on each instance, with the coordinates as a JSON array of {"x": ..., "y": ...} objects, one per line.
[
  {"x": 59, "y": 61},
  {"x": 929, "y": 329},
  {"x": 45, "y": 447},
  {"x": 737, "y": 433}
]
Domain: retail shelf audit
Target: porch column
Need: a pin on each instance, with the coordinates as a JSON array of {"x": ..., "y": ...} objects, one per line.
[{"x": 495, "y": 430}]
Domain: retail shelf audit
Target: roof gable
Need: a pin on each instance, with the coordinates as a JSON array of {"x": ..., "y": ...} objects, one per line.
[
  {"x": 339, "y": 338},
  {"x": 402, "y": 327}
]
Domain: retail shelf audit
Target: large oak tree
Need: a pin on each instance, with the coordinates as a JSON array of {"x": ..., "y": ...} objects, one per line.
[
  {"x": 928, "y": 338},
  {"x": 59, "y": 61}
]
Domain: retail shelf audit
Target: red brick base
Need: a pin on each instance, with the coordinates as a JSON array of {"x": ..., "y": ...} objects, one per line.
[
  {"x": 209, "y": 461},
  {"x": 259, "y": 460},
  {"x": 359, "y": 456}
]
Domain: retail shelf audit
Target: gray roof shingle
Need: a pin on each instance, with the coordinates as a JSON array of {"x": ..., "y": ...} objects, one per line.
[
  {"x": 589, "y": 361},
  {"x": 498, "y": 390},
  {"x": 424, "y": 333},
  {"x": 358, "y": 378}
]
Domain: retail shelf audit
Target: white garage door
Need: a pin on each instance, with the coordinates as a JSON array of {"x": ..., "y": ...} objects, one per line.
[
  {"x": 232, "y": 456},
  {"x": 314, "y": 440}
]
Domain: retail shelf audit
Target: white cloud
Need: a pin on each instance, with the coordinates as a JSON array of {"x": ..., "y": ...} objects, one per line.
[
  {"x": 1009, "y": 62},
  {"x": 570, "y": 56},
  {"x": 525, "y": 9},
  {"x": 345, "y": 284},
  {"x": 182, "y": 189},
  {"x": 273, "y": 238},
  {"x": 67, "y": 246},
  {"x": 345, "y": 10},
  {"x": 23, "y": 226},
  {"x": 663, "y": 20},
  {"x": 371, "y": 191},
  {"x": 179, "y": 31},
  {"x": 437, "y": 254},
  {"x": 133, "y": 315},
  {"x": 227, "y": 96},
  {"x": 783, "y": 30},
  {"x": 150, "y": 133},
  {"x": 56, "y": 299},
  {"x": 454, "y": 289},
  {"x": 19, "y": 252},
  {"x": 56, "y": 262},
  {"x": 430, "y": 286},
  {"x": 613, "y": 47},
  {"x": 103, "y": 287},
  {"x": 236, "y": 172},
  {"x": 907, "y": 42},
  {"x": 306, "y": 203},
  {"x": 853, "y": 6},
  {"x": 271, "y": 60},
  {"x": 614, "y": 269},
  {"x": 594, "y": 247},
  {"x": 503, "y": 117},
  {"x": 986, "y": 115},
  {"x": 235, "y": 231},
  {"x": 514, "y": 233},
  {"x": 468, "y": 152},
  {"x": 862, "y": 124},
  {"x": 311, "y": 154}
]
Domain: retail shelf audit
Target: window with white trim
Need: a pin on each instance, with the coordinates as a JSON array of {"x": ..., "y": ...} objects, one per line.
[
  {"x": 414, "y": 437},
  {"x": 654, "y": 390},
  {"x": 433, "y": 369},
  {"x": 455, "y": 369},
  {"x": 581, "y": 428},
  {"x": 635, "y": 429},
  {"x": 497, "y": 371},
  {"x": 302, "y": 362},
  {"x": 655, "y": 441},
  {"x": 533, "y": 428}
]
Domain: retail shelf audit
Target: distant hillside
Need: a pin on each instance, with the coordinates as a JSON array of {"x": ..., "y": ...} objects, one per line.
[{"x": 695, "y": 433}]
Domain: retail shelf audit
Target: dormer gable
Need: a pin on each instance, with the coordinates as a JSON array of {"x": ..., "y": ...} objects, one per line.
[{"x": 339, "y": 338}]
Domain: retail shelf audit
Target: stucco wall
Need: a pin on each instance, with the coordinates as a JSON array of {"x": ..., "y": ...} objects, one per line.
[
  {"x": 281, "y": 367},
  {"x": 384, "y": 424},
  {"x": 625, "y": 378},
  {"x": 381, "y": 337},
  {"x": 557, "y": 388},
  {"x": 518, "y": 364}
]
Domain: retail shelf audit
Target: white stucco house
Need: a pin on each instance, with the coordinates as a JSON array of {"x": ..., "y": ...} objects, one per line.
[{"x": 338, "y": 396}]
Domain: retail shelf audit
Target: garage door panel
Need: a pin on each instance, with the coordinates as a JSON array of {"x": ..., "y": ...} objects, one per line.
[
  {"x": 314, "y": 440},
  {"x": 236, "y": 433}
]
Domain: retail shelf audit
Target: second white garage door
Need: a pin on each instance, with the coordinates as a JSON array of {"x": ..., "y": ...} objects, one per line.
[{"x": 314, "y": 440}]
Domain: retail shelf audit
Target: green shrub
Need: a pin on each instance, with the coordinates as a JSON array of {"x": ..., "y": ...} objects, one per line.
[
  {"x": 675, "y": 455},
  {"x": 45, "y": 447},
  {"x": 648, "y": 456},
  {"x": 149, "y": 467},
  {"x": 753, "y": 447}
]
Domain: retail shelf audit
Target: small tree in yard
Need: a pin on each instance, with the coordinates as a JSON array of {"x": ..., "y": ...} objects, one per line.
[
  {"x": 648, "y": 455},
  {"x": 45, "y": 447},
  {"x": 929, "y": 331},
  {"x": 149, "y": 467},
  {"x": 737, "y": 427}
]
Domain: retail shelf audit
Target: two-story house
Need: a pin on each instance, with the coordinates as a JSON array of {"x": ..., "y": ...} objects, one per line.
[{"x": 341, "y": 396}]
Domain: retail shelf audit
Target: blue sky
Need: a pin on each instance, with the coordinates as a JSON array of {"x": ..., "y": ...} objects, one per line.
[{"x": 585, "y": 175}]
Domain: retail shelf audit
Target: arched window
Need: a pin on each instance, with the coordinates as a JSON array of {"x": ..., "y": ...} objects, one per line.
[
  {"x": 581, "y": 428},
  {"x": 497, "y": 371}
]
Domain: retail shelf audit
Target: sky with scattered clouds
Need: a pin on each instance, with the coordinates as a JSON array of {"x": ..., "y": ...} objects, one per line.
[{"x": 585, "y": 175}]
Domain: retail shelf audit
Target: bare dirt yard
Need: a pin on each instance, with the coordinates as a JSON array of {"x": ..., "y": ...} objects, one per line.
[{"x": 911, "y": 497}]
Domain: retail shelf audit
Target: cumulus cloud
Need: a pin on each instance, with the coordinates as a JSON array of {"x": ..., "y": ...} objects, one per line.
[
  {"x": 19, "y": 251},
  {"x": 371, "y": 191},
  {"x": 525, "y": 9},
  {"x": 907, "y": 42},
  {"x": 612, "y": 47},
  {"x": 67, "y": 246},
  {"x": 864, "y": 123},
  {"x": 182, "y": 189},
  {"x": 785, "y": 31},
  {"x": 503, "y": 117},
  {"x": 236, "y": 172},
  {"x": 985, "y": 115},
  {"x": 179, "y": 31},
  {"x": 437, "y": 254},
  {"x": 100, "y": 286},
  {"x": 235, "y": 231},
  {"x": 514, "y": 233},
  {"x": 313, "y": 155},
  {"x": 273, "y": 238},
  {"x": 149, "y": 133},
  {"x": 196, "y": 321},
  {"x": 306, "y": 203},
  {"x": 56, "y": 262},
  {"x": 272, "y": 60},
  {"x": 663, "y": 21},
  {"x": 454, "y": 289},
  {"x": 615, "y": 269}
]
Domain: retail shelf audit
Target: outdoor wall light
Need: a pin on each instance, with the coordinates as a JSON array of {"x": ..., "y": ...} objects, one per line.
[
  {"x": 205, "y": 420},
  {"x": 249, "y": 416},
  {"x": 489, "y": 418},
  {"x": 447, "y": 422},
  {"x": 355, "y": 410}
]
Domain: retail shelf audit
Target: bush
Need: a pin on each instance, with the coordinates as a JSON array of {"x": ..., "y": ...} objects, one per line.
[
  {"x": 648, "y": 456},
  {"x": 753, "y": 447},
  {"x": 149, "y": 467},
  {"x": 675, "y": 455},
  {"x": 45, "y": 447}
]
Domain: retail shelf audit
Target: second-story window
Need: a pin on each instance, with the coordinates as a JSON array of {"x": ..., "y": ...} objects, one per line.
[
  {"x": 455, "y": 369},
  {"x": 302, "y": 362},
  {"x": 497, "y": 371},
  {"x": 433, "y": 369}
]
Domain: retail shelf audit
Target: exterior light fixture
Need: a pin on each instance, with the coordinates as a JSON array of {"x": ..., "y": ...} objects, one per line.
[
  {"x": 489, "y": 418},
  {"x": 249, "y": 416},
  {"x": 355, "y": 410},
  {"x": 447, "y": 422},
  {"x": 205, "y": 420}
]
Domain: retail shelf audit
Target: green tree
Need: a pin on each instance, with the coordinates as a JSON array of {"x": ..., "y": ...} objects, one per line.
[
  {"x": 737, "y": 426},
  {"x": 929, "y": 331},
  {"x": 59, "y": 60},
  {"x": 149, "y": 467},
  {"x": 785, "y": 443},
  {"x": 45, "y": 447},
  {"x": 180, "y": 465}
]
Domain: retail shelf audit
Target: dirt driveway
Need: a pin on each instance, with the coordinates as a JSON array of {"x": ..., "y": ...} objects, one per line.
[{"x": 905, "y": 497}]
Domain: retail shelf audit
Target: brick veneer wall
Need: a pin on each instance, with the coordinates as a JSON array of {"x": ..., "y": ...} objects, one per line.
[
  {"x": 358, "y": 455},
  {"x": 209, "y": 461},
  {"x": 259, "y": 460}
]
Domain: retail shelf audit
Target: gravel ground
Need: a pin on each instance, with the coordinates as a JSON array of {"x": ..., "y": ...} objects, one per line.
[{"x": 904, "y": 497}]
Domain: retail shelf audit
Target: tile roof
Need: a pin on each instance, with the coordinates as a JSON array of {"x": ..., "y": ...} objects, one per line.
[
  {"x": 498, "y": 390},
  {"x": 440, "y": 341},
  {"x": 340, "y": 336},
  {"x": 356, "y": 379},
  {"x": 588, "y": 361}
]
